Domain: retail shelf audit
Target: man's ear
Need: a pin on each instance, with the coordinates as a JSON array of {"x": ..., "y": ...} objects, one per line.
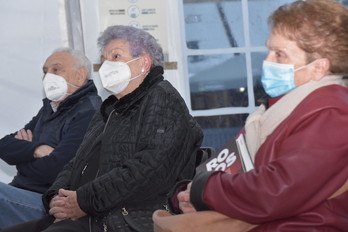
[
  {"x": 81, "y": 76},
  {"x": 321, "y": 68}
]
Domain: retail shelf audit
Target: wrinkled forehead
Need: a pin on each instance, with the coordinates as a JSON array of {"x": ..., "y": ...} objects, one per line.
[
  {"x": 280, "y": 42},
  {"x": 116, "y": 47},
  {"x": 116, "y": 44},
  {"x": 60, "y": 59}
]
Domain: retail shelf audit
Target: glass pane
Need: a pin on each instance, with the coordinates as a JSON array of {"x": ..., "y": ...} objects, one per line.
[
  {"x": 259, "y": 10},
  {"x": 256, "y": 63},
  {"x": 344, "y": 2},
  {"x": 213, "y": 24},
  {"x": 217, "y": 81},
  {"x": 219, "y": 129}
]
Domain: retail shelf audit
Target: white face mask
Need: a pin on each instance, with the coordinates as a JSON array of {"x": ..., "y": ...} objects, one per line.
[
  {"x": 115, "y": 76},
  {"x": 55, "y": 87}
]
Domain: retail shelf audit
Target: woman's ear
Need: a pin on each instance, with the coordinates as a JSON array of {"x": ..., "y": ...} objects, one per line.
[
  {"x": 147, "y": 63},
  {"x": 321, "y": 68}
]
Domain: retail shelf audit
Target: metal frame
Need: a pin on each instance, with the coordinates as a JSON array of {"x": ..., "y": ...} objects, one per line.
[{"x": 74, "y": 24}]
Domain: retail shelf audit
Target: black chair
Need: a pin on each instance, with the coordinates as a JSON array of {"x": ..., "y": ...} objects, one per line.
[{"x": 203, "y": 154}]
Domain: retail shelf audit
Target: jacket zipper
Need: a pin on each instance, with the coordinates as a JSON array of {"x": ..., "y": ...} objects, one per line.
[
  {"x": 107, "y": 122},
  {"x": 83, "y": 170},
  {"x": 90, "y": 223},
  {"x": 105, "y": 227}
]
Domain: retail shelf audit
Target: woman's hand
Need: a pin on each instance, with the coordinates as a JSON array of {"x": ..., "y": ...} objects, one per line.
[
  {"x": 65, "y": 205},
  {"x": 184, "y": 200}
]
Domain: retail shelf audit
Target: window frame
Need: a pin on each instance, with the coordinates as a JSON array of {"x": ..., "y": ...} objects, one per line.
[{"x": 248, "y": 49}]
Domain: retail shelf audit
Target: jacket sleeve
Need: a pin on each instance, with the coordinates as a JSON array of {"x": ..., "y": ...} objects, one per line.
[
  {"x": 64, "y": 177},
  {"x": 14, "y": 151},
  {"x": 312, "y": 165},
  {"x": 168, "y": 140},
  {"x": 46, "y": 169},
  {"x": 172, "y": 200}
]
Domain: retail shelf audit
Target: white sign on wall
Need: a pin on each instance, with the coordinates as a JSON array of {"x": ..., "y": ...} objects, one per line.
[{"x": 148, "y": 15}]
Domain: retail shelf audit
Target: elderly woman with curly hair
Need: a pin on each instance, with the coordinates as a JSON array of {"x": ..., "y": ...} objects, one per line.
[
  {"x": 298, "y": 141},
  {"x": 141, "y": 142}
]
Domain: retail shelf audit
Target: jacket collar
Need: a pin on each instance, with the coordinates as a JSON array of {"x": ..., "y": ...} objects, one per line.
[
  {"x": 89, "y": 87},
  {"x": 120, "y": 105}
]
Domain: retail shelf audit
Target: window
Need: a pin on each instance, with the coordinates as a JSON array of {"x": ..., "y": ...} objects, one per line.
[
  {"x": 344, "y": 2},
  {"x": 225, "y": 47}
]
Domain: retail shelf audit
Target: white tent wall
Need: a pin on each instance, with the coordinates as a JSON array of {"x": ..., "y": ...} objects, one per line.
[{"x": 31, "y": 30}]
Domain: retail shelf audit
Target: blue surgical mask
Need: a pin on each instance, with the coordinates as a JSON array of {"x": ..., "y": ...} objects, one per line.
[{"x": 278, "y": 79}]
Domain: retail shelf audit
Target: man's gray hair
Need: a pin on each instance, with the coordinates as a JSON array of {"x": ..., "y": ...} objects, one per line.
[
  {"x": 140, "y": 42},
  {"x": 81, "y": 59}
]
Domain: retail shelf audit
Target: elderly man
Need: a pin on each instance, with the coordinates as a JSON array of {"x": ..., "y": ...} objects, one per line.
[{"x": 51, "y": 138}]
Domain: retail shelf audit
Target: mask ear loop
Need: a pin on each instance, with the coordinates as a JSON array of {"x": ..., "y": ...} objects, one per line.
[
  {"x": 137, "y": 58},
  {"x": 306, "y": 65},
  {"x": 142, "y": 69},
  {"x": 75, "y": 86}
]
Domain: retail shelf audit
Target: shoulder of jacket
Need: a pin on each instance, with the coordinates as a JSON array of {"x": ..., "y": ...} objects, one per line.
[{"x": 329, "y": 96}]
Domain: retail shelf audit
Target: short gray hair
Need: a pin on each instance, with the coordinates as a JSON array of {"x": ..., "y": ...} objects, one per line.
[
  {"x": 140, "y": 42},
  {"x": 81, "y": 59}
]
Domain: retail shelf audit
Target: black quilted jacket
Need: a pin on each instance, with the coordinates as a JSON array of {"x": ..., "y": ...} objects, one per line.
[{"x": 149, "y": 141}]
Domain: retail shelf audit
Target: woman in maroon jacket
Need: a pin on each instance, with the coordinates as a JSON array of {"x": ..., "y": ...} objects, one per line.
[{"x": 299, "y": 142}]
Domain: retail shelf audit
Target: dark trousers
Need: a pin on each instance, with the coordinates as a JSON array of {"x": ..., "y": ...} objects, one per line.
[{"x": 45, "y": 224}]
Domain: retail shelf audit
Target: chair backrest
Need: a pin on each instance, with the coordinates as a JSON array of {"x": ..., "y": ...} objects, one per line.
[{"x": 203, "y": 154}]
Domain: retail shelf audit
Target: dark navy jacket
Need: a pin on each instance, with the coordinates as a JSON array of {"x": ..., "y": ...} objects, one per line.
[{"x": 63, "y": 130}]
